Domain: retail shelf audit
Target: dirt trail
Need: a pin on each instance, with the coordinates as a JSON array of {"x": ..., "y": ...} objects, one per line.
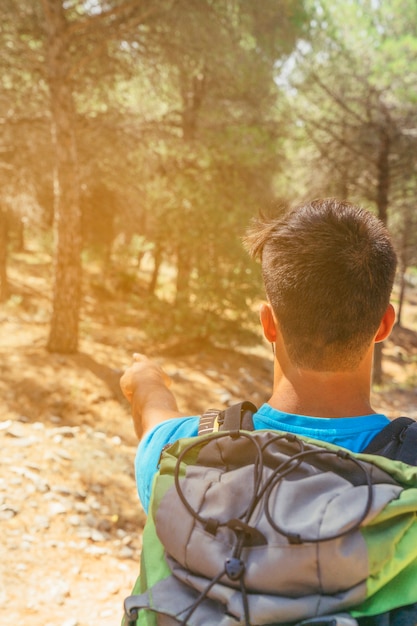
[{"x": 70, "y": 520}]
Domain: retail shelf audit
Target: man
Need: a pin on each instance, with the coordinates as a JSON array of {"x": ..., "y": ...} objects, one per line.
[{"x": 328, "y": 269}]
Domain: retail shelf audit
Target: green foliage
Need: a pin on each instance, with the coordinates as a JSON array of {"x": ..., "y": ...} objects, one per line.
[
  {"x": 192, "y": 115},
  {"x": 353, "y": 101}
]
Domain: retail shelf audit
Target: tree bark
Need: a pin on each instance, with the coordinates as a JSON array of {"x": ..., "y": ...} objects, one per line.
[
  {"x": 193, "y": 92},
  {"x": 404, "y": 260},
  {"x": 192, "y": 98},
  {"x": 63, "y": 336},
  {"x": 20, "y": 234},
  {"x": 4, "y": 240},
  {"x": 157, "y": 256},
  {"x": 182, "y": 295},
  {"x": 402, "y": 294},
  {"x": 382, "y": 199}
]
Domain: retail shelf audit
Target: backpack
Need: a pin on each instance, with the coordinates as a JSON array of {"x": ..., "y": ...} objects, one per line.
[{"x": 265, "y": 527}]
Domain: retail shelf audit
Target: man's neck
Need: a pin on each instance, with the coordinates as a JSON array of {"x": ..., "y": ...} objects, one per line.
[{"x": 322, "y": 394}]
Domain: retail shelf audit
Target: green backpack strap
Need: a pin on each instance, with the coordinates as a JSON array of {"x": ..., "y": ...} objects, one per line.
[{"x": 235, "y": 417}]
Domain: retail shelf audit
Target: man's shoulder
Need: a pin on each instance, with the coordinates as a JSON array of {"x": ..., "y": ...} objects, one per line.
[
  {"x": 171, "y": 430},
  {"x": 149, "y": 450},
  {"x": 352, "y": 433}
]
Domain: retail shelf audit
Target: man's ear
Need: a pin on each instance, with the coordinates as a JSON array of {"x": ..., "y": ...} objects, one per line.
[
  {"x": 386, "y": 324},
  {"x": 268, "y": 323}
]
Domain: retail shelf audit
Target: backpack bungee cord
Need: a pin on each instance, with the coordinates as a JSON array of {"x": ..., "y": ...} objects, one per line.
[{"x": 247, "y": 535}]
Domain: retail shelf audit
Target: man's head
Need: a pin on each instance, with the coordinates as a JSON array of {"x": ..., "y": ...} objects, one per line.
[{"x": 328, "y": 268}]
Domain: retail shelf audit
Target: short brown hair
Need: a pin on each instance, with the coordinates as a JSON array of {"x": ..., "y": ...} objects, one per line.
[{"x": 328, "y": 268}]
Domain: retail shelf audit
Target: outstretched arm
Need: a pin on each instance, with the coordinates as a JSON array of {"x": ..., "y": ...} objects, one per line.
[{"x": 145, "y": 385}]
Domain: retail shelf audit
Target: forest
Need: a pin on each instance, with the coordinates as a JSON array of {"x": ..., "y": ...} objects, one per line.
[
  {"x": 139, "y": 140},
  {"x": 144, "y": 136}
]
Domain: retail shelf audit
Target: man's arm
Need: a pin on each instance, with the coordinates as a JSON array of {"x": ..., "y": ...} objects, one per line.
[{"x": 145, "y": 385}]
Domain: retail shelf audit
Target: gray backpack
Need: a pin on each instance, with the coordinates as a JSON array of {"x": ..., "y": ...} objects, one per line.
[{"x": 263, "y": 527}]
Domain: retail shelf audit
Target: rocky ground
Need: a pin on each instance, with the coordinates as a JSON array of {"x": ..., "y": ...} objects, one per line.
[{"x": 70, "y": 520}]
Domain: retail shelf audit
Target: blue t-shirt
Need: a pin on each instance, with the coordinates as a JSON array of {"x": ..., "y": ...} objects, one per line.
[{"x": 352, "y": 433}]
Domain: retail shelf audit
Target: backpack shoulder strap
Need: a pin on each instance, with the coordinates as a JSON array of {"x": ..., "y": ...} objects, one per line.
[
  {"x": 397, "y": 441},
  {"x": 235, "y": 417}
]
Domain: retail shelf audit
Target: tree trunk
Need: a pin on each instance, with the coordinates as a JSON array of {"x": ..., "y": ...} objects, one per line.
[
  {"x": 404, "y": 260},
  {"x": 63, "y": 336},
  {"x": 382, "y": 197},
  {"x": 182, "y": 295},
  {"x": 383, "y": 169},
  {"x": 157, "y": 256},
  {"x": 192, "y": 97},
  {"x": 193, "y": 91},
  {"x": 20, "y": 234},
  {"x": 4, "y": 240},
  {"x": 402, "y": 293},
  {"x": 377, "y": 375}
]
